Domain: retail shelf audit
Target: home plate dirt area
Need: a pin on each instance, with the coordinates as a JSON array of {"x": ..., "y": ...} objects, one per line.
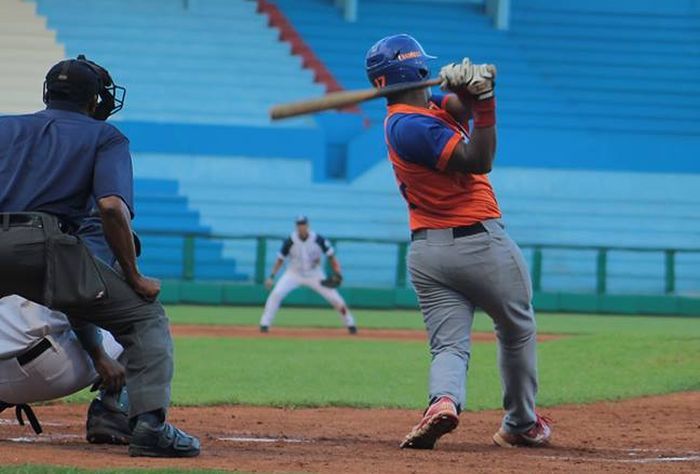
[{"x": 648, "y": 434}]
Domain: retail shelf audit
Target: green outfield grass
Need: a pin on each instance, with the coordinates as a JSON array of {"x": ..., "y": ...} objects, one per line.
[
  {"x": 600, "y": 358},
  {"x": 406, "y": 319}
]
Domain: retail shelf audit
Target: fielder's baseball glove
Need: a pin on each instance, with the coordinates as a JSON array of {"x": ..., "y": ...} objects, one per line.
[{"x": 333, "y": 281}]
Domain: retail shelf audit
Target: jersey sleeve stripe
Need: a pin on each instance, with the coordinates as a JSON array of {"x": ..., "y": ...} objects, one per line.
[
  {"x": 447, "y": 152},
  {"x": 443, "y": 102}
]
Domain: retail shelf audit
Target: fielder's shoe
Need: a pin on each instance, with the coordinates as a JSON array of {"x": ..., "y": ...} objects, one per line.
[
  {"x": 264, "y": 329},
  {"x": 352, "y": 330},
  {"x": 538, "y": 435},
  {"x": 164, "y": 441},
  {"x": 439, "y": 419},
  {"x": 106, "y": 426}
]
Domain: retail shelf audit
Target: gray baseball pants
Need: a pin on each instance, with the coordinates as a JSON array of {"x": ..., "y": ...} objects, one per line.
[
  {"x": 141, "y": 327},
  {"x": 486, "y": 270}
]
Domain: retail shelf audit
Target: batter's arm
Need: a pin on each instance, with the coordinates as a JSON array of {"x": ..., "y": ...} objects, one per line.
[
  {"x": 460, "y": 110},
  {"x": 476, "y": 156}
]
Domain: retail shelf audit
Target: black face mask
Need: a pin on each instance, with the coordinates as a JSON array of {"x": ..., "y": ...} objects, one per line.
[{"x": 111, "y": 96}]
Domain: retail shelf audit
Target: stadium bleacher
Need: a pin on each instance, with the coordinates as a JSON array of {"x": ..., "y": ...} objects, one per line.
[
  {"x": 162, "y": 210},
  {"x": 213, "y": 61},
  {"x": 31, "y": 49},
  {"x": 582, "y": 208},
  {"x": 607, "y": 64},
  {"x": 583, "y": 69},
  {"x": 594, "y": 149}
]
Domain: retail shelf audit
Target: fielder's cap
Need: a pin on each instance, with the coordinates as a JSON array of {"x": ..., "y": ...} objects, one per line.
[
  {"x": 73, "y": 79},
  {"x": 301, "y": 219}
]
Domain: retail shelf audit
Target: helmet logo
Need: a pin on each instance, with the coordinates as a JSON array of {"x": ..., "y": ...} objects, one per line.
[
  {"x": 409, "y": 55},
  {"x": 380, "y": 82}
]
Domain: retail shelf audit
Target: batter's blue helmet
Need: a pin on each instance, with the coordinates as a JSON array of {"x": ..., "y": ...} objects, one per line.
[{"x": 396, "y": 59}]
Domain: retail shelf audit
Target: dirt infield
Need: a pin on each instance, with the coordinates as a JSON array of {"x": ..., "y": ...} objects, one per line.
[
  {"x": 642, "y": 435},
  {"x": 200, "y": 330}
]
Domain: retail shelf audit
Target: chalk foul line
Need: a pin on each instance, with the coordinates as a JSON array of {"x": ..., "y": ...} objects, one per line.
[{"x": 250, "y": 439}]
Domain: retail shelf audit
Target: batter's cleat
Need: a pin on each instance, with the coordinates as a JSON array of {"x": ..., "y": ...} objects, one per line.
[
  {"x": 165, "y": 441},
  {"x": 352, "y": 330},
  {"x": 106, "y": 426},
  {"x": 264, "y": 329},
  {"x": 439, "y": 419},
  {"x": 538, "y": 435}
]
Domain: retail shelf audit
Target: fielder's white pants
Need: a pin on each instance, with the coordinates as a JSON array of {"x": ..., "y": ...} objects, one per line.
[
  {"x": 291, "y": 281},
  {"x": 61, "y": 370}
]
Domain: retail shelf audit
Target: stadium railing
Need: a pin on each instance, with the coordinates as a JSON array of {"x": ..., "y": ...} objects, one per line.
[{"x": 665, "y": 301}]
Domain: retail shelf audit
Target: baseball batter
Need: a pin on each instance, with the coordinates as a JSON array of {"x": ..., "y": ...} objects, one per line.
[
  {"x": 305, "y": 249},
  {"x": 460, "y": 256},
  {"x": 42, "y": 358}
]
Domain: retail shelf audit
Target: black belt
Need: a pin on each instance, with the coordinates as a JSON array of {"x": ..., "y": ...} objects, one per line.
[
  {"x": 34, "y": 219},
  {"x": 9, "y": 219},
  {"x": 34, "y": 352},
  {"x": 457, "y": 232}
]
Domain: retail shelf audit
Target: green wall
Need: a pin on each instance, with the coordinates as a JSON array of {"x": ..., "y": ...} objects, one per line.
[{"x": 215, "y": 293}]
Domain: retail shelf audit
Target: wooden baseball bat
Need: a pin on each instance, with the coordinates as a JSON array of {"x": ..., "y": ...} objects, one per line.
[{"x": 342, "y": 99}]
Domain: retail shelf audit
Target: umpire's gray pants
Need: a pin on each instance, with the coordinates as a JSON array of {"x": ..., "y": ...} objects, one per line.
[
  {"x": 142, "y": 328},
  {"x": 486, "y": 270}
]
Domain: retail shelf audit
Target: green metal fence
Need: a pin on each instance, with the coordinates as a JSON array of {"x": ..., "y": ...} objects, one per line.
[
  {"x": 601, "y": 272},
  {"x": 538, "y": 256}
]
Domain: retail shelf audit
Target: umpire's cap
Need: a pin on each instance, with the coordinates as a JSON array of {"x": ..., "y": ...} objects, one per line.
[
  {"x": 79, "y": 80},
  {"x": 74, "y": 80}
]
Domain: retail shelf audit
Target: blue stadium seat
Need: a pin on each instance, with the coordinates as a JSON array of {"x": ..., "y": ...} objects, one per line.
[
  {"x": 585, "y": 69},
  {"x": 540, "y": 207},
  {"x": 217, "y": 62},
  {"x": 161, "y": 209},
  {"x": 189, "y": 62}
]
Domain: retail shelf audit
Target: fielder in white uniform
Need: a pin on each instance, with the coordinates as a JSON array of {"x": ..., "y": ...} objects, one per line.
[
  {"x": 304, "y": 250},
  {"x": 42, "y": 358}
]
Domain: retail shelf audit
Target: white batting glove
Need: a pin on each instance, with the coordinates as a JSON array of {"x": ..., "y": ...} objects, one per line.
[
  {"x": 483, "y": 81},
  {"x": 476, "y": 79},
  {"x": 456, "y": 76}
]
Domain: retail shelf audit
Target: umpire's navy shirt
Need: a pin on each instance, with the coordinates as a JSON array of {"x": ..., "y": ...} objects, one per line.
[{"x": 56, "y": 160}]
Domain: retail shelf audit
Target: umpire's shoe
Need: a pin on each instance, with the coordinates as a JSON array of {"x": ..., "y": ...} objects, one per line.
[
  {"x": 164, "y": 441},
  {"x": 105, "y": 426}
]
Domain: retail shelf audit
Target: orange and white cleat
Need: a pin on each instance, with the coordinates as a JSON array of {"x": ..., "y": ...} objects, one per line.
[
  {"x": 439, "y": 419},
  {"x": 538, "y": 435}
]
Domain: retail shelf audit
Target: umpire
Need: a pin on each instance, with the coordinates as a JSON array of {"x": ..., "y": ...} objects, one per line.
[{"x": 54, "y": 166}]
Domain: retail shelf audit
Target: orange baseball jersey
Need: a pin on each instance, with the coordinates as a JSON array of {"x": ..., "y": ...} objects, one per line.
[{"x": 421, "y": 142}]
